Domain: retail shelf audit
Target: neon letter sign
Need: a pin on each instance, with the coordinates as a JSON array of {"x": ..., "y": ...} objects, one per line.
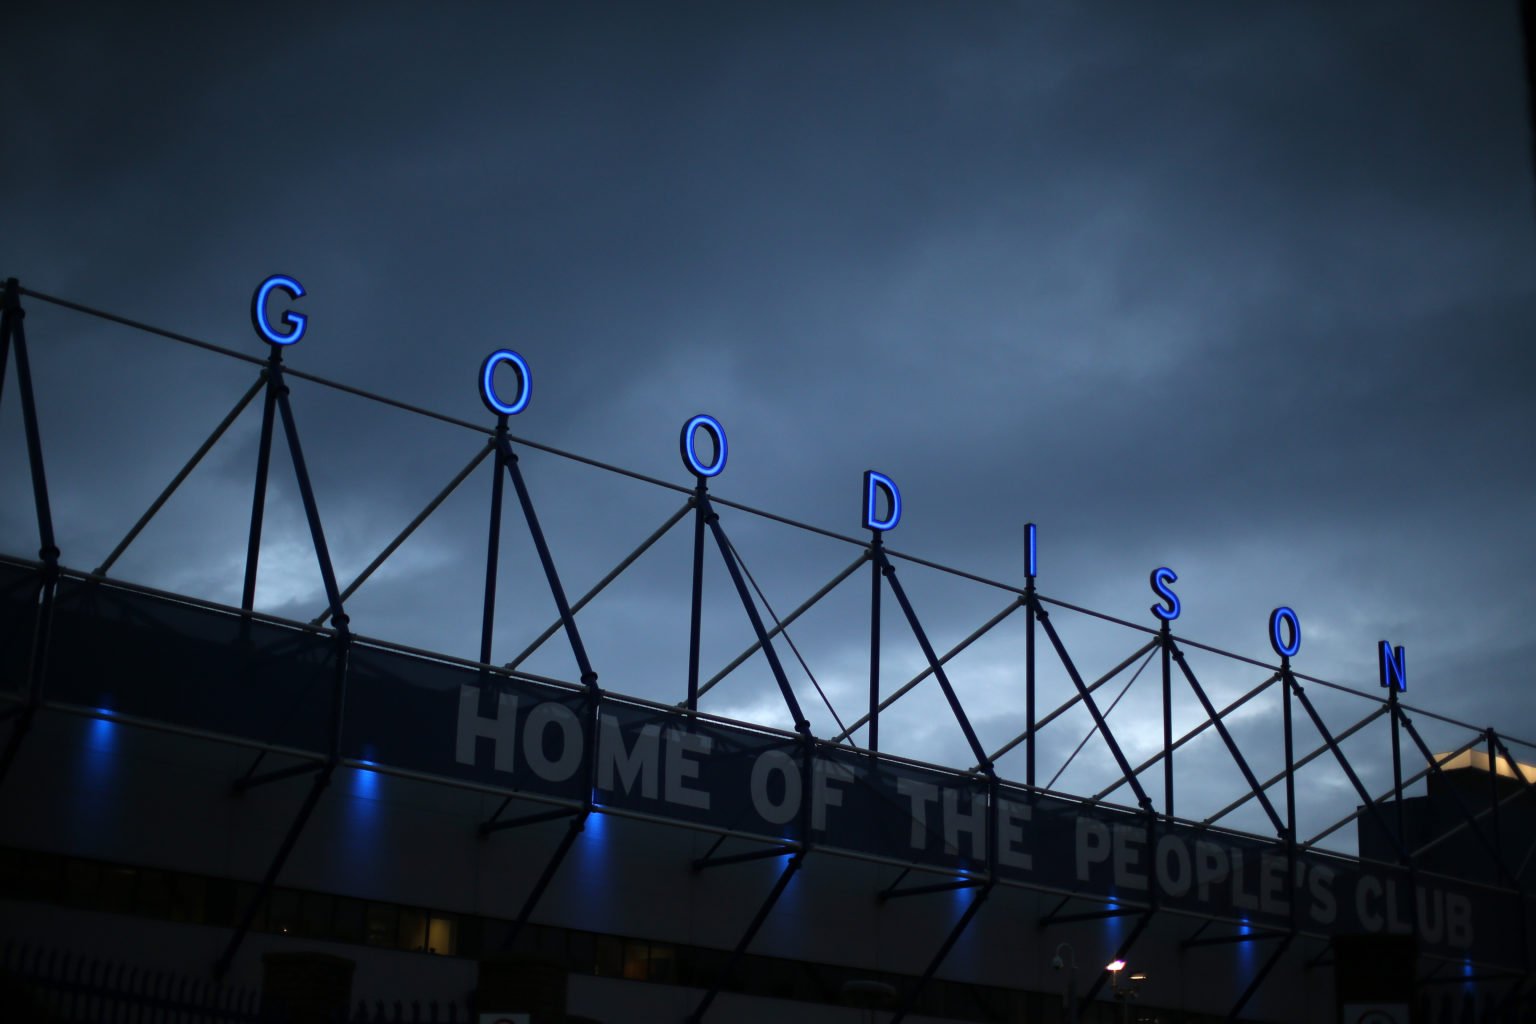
[
  {"x": 686, "y": 443},
  {"x": 1279, "y": 615},
  {"x": 488, "y": 393},
  {"x": 295, "y": 321},
  {"x": 1159, "y": 580},
  {"x": 874, "y": 483},
  {"x": 1394, "y": 666}
]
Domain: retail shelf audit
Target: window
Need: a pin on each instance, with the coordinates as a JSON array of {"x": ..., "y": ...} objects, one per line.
[
  {"x": 442, "y": 932},
  {"x": 189, "y": 893},
  {"x": 382, "y": 919},
  {"x": 637, "y": 957},
  {"x": 283, "y": 911},
  {"x": 154, "y": 897},
  {"x": 81, "y": 878},
  {"x": 315, "y": 911},
  {"x": 610, "y": 956},
  {"x": 413, "y": 929},
  {"x": 350, "y": 923}
]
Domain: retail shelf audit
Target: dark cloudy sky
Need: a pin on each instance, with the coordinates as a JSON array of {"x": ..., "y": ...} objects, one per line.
[{"x": 1249, "y": 293}]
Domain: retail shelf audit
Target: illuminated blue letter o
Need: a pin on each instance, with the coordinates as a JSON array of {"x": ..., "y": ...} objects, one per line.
[
  {"x": 296, "y": 321},
  {"x": 874, "y": 483},
  {"x": 686, "y": 444},
  {"x": 1279, "y": 615},
  {"x": 488, "y": 394}
]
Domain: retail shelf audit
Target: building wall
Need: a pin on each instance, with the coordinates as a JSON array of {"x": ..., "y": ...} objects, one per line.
[{"x": 124, "y": 794}]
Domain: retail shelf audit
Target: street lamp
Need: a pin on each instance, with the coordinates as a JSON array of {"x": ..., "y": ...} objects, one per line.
[
  {"x": 1123, "y": 994},
  {"x": 1069, "y": 983}
]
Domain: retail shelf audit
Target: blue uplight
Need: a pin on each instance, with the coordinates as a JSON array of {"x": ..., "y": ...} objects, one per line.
[
  {"x": 874, "y": 483},
  {"x": 297, "y": 322},
  {"x": 687, "y": 444},
  {"x": 488, "y": 393},
  {"x": 1170, "y": 608},
  {"x": 1031, "y": 562}
]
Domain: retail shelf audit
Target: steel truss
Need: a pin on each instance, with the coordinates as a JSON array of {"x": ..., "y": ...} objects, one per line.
[{"x": 1483, "y": 823}]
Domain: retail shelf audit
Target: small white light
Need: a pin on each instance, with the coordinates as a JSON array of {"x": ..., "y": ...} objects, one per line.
[{"x": 1116, "y": 966}]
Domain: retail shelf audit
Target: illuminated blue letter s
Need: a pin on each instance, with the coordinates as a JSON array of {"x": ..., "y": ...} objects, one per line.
[{"x": 1169, "y": 609}]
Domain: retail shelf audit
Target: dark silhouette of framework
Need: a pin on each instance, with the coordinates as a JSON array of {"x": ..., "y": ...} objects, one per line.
[{"x": 1385, "y": 809}]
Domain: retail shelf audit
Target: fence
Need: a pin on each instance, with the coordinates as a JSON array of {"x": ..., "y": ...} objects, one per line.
[{"x": 47, "y": 986}]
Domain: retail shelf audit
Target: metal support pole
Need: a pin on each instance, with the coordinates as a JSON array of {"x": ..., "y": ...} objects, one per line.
[
  {"x": 1165, "y": 642},
  {"x": 1093, "y": 709},
  {"x": 1029, "y": 676},
  {"x": 16, "y": 336},
  {"x": 1397, "y": 770},
  {"x": 13, "y": 336},
  {"x": 263, "y": 463},
  {"x": 696, "y": 610},
  {"x": 1493, "y": 791},
  {"x": 492, "y": 547},
  {"x": 983, "y": 764},
  {"x": 876, "y": 555}
]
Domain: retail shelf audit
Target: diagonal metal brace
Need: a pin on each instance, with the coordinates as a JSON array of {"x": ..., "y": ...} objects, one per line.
[
  {"x": 712, "y": 519},
  {"x": 495, "y": 824},
  {"x": 753, "y": 927},
  {"x": 889, "y": 572},
  {"x": 938, "y": 958},
  {"x": 1258, "y": 979},
  {"x": 780, "y": 850},
  {"x": 1054, "y": 918},
  {"x": 892, "y": 893},
  {"x": 1231, "y": 744},
  {"x": 1093, "y": 709},
  {"x": 1349, "y": 771},
  {"x": 1471, "y": 819}
]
